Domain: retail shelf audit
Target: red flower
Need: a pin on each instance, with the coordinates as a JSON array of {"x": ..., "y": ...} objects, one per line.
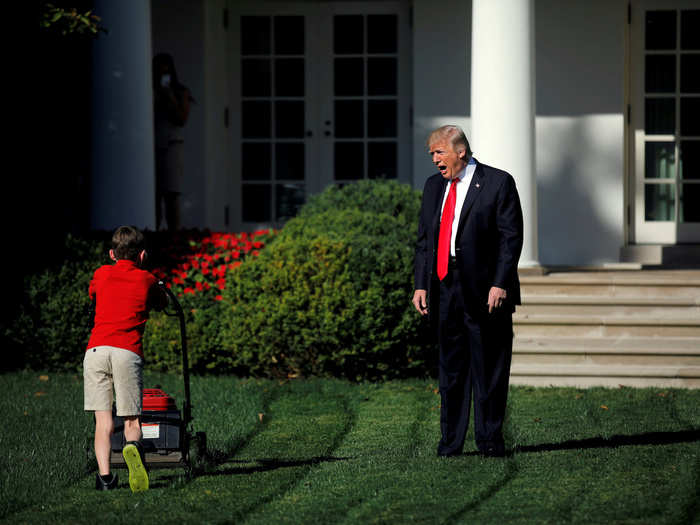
[
  {"x": 255, "y": 253},
  {"x": 257, "y": 244},
  {"x": 188, "y": 290},
  {"x": 218, "y": 298},
  {"x": 236, "y": 254},
  {"x": 235, "y": 264},
  {"x": 199, "y": 286},
  {"x": 205, "y": 270},
  {"x": 221, "y": 283}
]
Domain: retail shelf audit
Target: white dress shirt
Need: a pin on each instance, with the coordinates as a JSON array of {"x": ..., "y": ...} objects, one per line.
[{"x": 465, "y": 179}]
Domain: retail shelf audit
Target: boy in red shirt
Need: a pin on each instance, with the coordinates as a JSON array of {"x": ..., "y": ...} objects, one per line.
[{"x": 124, "y": 293}]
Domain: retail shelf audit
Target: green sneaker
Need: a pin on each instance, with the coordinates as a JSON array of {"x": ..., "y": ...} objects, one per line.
[{"x": 134, "y": 459}]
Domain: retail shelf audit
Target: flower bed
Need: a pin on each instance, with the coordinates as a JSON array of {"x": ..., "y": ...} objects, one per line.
[{"x": 196, "y": 263}]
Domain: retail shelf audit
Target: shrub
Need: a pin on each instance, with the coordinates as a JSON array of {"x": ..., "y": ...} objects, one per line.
[
  {"x": 331, "y": 295},
  {"x": 55, "y": 316}
]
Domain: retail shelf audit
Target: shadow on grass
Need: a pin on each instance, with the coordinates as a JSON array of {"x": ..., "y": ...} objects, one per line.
[
  {"x": 619, "y": 440},
  {"x": 267, "y": 464}
]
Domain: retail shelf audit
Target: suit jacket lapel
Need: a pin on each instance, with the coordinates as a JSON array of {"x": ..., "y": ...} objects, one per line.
[
  {"x": 476, "y": 185},
  {"x": 438, "y": 207}
]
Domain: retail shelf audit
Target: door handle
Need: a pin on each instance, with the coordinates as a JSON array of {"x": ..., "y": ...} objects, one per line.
[
  {"x": 327, "y": 133},
  {"x": 309, "y": 133}
]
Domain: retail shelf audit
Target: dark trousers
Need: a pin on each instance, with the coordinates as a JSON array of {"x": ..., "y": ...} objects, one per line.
[{"x": 475, "y": 355}]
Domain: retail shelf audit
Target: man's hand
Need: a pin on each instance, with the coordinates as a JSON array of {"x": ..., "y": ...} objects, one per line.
[
  {"x": 420, "y": 301},
  {"x": 496, "y": 297}
]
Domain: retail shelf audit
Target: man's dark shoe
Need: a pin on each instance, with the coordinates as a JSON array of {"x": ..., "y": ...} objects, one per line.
[
  {"x": 108, "y": 482},
  {"x": 494, "y": 451},
  {"x": 135, "y": 461},
  {"x": 445, "y": 454}
]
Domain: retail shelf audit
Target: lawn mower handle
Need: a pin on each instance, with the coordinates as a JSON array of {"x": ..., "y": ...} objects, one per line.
[{"x": 186, "y": 407}]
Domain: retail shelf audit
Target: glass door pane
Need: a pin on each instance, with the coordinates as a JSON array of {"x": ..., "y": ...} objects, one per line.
[
  {"x": 365, "y": 96},
  {"x": 666, "y": 123},
  {"x": 273, "y": 117}
]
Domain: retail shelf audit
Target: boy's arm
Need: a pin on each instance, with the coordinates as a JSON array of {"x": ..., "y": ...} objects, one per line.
[{"x": 157, "y": 298}]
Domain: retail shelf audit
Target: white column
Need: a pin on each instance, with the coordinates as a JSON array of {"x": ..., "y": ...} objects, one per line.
[
  {"x": 123, "y": 180},
  {"x": 503, "y": 103}
]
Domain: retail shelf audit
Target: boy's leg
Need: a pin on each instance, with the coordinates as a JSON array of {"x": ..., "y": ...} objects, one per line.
[
  {"x": 128, "y": 386},
  {"x": 104, "y": 426},
  {"x": 132, "y": 428},
  {"x": 97, "y": 376}
]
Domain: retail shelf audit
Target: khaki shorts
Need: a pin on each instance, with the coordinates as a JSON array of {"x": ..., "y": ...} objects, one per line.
[{"x": 107, "y": 369}]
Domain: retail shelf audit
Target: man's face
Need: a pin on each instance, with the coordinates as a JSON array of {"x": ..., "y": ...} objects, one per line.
[{"x": 447, "y": 160}]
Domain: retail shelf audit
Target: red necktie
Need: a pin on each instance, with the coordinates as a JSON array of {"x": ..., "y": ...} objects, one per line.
[{"x": 448, "y": 215}]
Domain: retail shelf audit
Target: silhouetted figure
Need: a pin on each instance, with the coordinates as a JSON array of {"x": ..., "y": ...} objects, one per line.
[{"x": 171, "y": 105}]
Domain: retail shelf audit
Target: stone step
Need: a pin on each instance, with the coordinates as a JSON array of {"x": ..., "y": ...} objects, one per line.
[
  {"x": 639, "y": 284},
  {"x": 581, "y": 359},
  {"x": 608, "y": 345},
  {"x": 607, "y": 371},
  {"x": 604, "y": 381},
  {"x": 527, "y": 325},
  {"x": 610, "y": 305}
]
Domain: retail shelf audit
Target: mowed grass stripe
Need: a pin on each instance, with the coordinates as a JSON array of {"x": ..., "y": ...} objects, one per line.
[{"x": 392, "y": 473}]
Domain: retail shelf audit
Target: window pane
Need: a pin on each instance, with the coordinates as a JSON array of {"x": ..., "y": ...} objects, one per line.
[
  {"x": 660, "y": 160},
  {"x": 690, "y": 116},
  {"x": 659, "y": 116},
  {"x": 690, "y": 32},
  {"x": 660, "y": 74},
  {"x": 290, "y": 197},
  {"x": 255, "y": 35},
  {"x": 381, "y": 118},
  {"x": 349, "y": 77},
  {"x": 255, "y": 119},
  {"x": 349, "y": 160},
  {"x": 256, "y": 77},
  {"x": 382, "y": 33},
  {"x": 256, "y": 202},
  {"x": 289, "y": 77},
  {"x": 348, "y": 34},
  {"x": 659, "y": 202},
  {"x": 256, "y": 160},
  {"x": 289, "y": 35},
  {"x": 690, "y": 73},
  {"x": 349, "y": 118},
  {"x": 690, "y": 203},
  {"x": 660, "y": 30},
  {"x": 381, "y": 160},
  {"x": 690, "y": 159},
  {"x": 381, "y": 76},
  {"x": 289, "y": 161},
  {"x": 289, "y": 119}
]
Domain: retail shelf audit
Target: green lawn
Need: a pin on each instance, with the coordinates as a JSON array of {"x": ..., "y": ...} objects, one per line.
[{"x": 335, "y": 452}]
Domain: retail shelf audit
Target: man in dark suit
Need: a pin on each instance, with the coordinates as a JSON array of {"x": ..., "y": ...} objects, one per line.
[{"x": 470, "y": 235}]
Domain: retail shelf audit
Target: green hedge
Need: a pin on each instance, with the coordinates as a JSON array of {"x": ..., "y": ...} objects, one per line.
[
  {"x": 327, "y": 295},
  {"x": 331, "y": 295}
]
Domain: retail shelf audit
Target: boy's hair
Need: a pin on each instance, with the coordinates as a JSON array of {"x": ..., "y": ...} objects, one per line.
[{"x": 128, "y": 242}]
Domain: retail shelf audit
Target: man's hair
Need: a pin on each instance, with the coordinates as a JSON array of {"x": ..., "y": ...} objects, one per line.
[
  {"x": 128, "y": 242},
  {"x": 453, "y": 135}
]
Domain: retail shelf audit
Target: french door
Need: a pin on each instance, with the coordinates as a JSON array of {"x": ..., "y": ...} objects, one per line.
[
  {"x": 321, "y": 95},
  {"x": 665, "y": 103}
]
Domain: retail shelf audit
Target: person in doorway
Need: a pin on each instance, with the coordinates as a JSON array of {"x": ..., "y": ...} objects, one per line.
[
  {"x": 470, "y": 235},
  {"x": 113, "y": 362},
  {"x": 171, "y": 106}
]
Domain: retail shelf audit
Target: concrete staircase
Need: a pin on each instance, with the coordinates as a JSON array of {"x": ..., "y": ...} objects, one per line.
[{"x": 609, "y": 328}]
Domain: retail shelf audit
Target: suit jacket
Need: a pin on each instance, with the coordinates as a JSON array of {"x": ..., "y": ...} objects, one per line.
[{"x": 488, "y": 242}]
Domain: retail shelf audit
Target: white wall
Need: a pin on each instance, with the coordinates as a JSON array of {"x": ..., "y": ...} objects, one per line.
[
  {"x": 178, "y": 29},
  {"x": 580, "y": 73},
  {"x": 579, "y": 55},
  {"x": 441, "y": 74}
]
